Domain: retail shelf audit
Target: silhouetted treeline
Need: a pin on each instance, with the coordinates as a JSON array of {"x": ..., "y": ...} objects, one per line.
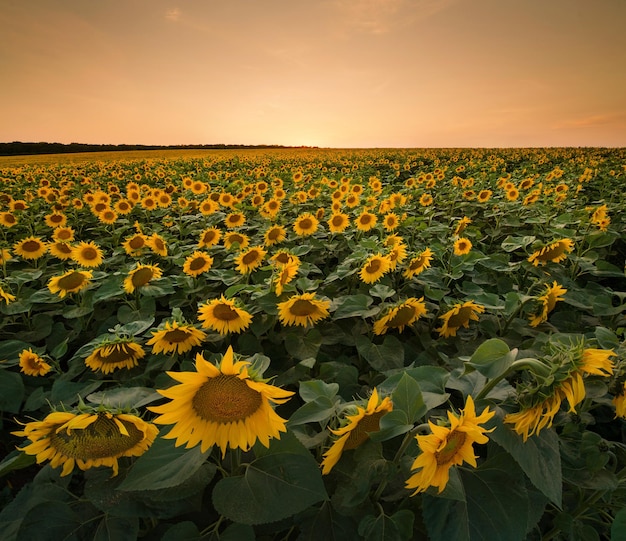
[{"x": 17, "y": 148}]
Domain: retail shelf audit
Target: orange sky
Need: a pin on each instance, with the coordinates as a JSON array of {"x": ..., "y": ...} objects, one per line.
[{"x": 335, "y": 73}]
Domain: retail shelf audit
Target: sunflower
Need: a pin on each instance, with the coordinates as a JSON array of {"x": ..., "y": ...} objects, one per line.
[
  {"x": 209, "y": 237},
  {"x": 303, "y": 310},
  {"x": 555, "y": 252},
  {"x": 238, "y": 240},
  {"x": 374, "y": 268},
  {"x": 225, "y": 405},
  {"x": 234, "y": 219},
  {"x": 7, "y": 219},
  {"x": 30, "y": 248},
  {"x": 306, "y": 224},
  {"x": 72, "y": 281},
  {"x": 459, "y": 316},
  {"x": 426, "y": 200},
  {"x": 391, "y": 221},
  {"x": 366, "y": 221},
  {"x": 463, "y": 223},
  {"x": 5, "y": 256},
  {"x": 109, "y": 356},
  {"x": 250, "y": 259},
  {"x": 283, "y": 257},
  {"x": 63, "y": 234},
  {"x": 285, "y": 275},
  {"x": 270, "y": 209},
  {"x": 447, "y": 447},
  {"x": 462, "y": 246},
  {"x": 140, "y": 276},
  {"x": 396, "y": 255},
  {"x": 224, "y": 316},
  {"x": 274, "y": 235},
  {"x": 338, "y": 222},
  {"x": 401, "y": 315},
  {"x": 87, "y": 254},
  {"x": 123, "y": 206},
  {"x": 356, "y": 429},
  {"x": 157, "y": 244},
  {"x": 107, "y": 216},
  {"x": 175, "y": 338},
  {"x": 548, "y": 300},
  {"x": 32, "y": 364},
  {"x": 484, "y": 196},
  {"x": 134, "y": 244},
  {"x": 619, "y": 401},
  {"x": 55, "y": 219},
  {"x": 87, "y": 440},
  {"x": 197, "y": 263},
  {"x": 418, "y": 264},
  {"x": 61, "y": 250}
]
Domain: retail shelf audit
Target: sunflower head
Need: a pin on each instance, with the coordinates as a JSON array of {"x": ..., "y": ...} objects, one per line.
[{"x": 112, "y": 354}]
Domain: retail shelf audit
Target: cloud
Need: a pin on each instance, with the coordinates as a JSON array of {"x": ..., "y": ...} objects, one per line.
[
  {"x": 172, "y": 14},
  {"x": 593, "y": 120}
]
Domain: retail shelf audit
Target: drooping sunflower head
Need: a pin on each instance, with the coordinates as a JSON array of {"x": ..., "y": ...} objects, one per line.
[
  {"x": 175, "y": 337},
  {"x": 87, "y": 254},
  {"x": 224, "y": 316},
  {"x": 402, "y": 315},
  {"x": 71, "y": 282},
  {"x": 555, "y": 252},
  {"x": 355, "y": 428},
  {"x": 552, "y": 294},
  {"x": 459, "y": 316},
  {"x": 111, "y": 355},
  {"x": 87, "y": 440},
  {"x": 225, "y": 405},
  {"x": 418, "y": 264},
  {"x": 141, "y": 276},
  {"x": 303, "y": 310}
]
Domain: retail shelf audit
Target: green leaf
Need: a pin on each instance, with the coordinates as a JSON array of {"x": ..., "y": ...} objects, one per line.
[
  {"x": 124, "y": 397},
  {"x": 182, "y": 531},
  {"x": 382, "y": 291},
  {"x": 67, "y": 392},
  {"x": 163, "y": 465},
  {"x": 16, "y": 460},
  {"x": 238, "y": 532},
  {"x": 539, "y": 457},
  {"x": 279, "y": 484},
  {"x": 511, "y": 243},
  {"x": 407, "y": 397},
  {"x": 325, "y": 523},
  {"x": 11, "y": 391},
  {"x": 381, "y": 357},
  {"x": 606, "y": 338},
  {"x": 492, "y": 358},
  {"x": 314, "y": 389},
  {"x": 49, "y": 521},
  {"x": 618, "y": 528},
  {"x": 10, "y": 351},
  {"x": 397, "y": 527},
  {"x": 302, "y": 344},
  {"x": 352, "y": 306},
  {"x": 112, "y": 528}
]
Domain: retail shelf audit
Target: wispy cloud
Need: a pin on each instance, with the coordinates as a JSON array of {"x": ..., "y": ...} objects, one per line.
[
  {"x": 173, "y": 14},
  {"x": 593, "y": 120}
]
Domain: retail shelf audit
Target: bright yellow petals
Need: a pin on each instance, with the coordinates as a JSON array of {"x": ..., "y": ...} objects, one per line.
[
  {"x": 32, "y": 364},
  {"x": 597, "y": 362},
  {"x": 286, "y": 273},
  {"x": 374, "y": 268},
  {"x": 418, "y": 264},
  {"x": 197, "y": 264},
  {"x": 338, "y": 222},
  {"x": 6, "y": 296},
  {"x": 459, "y": 316},
  {"x": 71, "y": 282},
  {"x": 303, "y": 310},
  {"x": 141, "y": 276},
  {"x": 356, "y": 428},
  {"x": 221, "y": 405},
  {"x": 555, "y": 252},
  {"x": 135, "y": 244},
  {"x": 238, "y": 240},
  {"x": 175, "y": 338},
  {"x": 401, "y": 315},
  {"x": 87, "y": 440},
  {"x": 305, "y": 225},
  {"x": 462, "y": 246},
  {"x": 209, "y": 237},
  {"x": 30, "y": 248},
  {"x": 111, "y": 356},
  {"x": 87, "y": 254},
  {"x": 224, "y": 316},
  {"x": 250, "y": 260},
  {"x": 274, "y": 235},
  {"x": 157, "y": 244},
  {"x": 448, "y": 447},
  {"x": 366, "y": 221},
  {"x": 548, "y": 300}
]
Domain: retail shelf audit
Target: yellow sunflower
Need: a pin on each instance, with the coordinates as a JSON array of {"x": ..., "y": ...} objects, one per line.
[
  {"x": 238, "y": 240},
  {"x": 555, "y": 252},
  {"x": 391, "y": 221},
  {"x": 447, "y": 447},
  {"x": 274, "y": 235},
  {"x": 197, "y": 263},
  {"x": 463, "y": 223},
  {"x": 426, "y": 200},
  {"x": 157, "y": 244},
  {"x": 175, "y": 338},
  {"x": 209, "y": 237},
  {"x": 401, "y": 315},
  {"x": 249, "y": 260},
  {"x": 459, "y": 316},
  {"x": 61, "y": 250},
  {"x": 63, "y": 234},
  {"x": 30, "y": 248},
  {"x": 134, "y": 244},
  {"x": 484, "y": 196},
  {"x": 356, "y": 429},
  {"x": 87, "y": 254},
  {"x": 72, "y": 281},
  {"x": 6, "y": 296},
  {"x": 418, "y": 264},
  {"x": 282, "y": 257},
  {"x": 374, "y": 268},
  {"x": 366, "y": 221},
  {"x": 338, "y": 222},
  {"x": 462, "y": 246},
  {"x": 234, "y": 219},
  {"x": 56, "y": 219},
  {"x": 285, "y": 274},
  {"x": 107, "y": 216},
  {"x": 140, "y": 276},
  {"x": 32, "y": 364},
  {"x": 110, "y": 356},
  {"x": 303, "y": 310},
  {"x": 225, "y": 405},
  {"x": 224, "y": 316},
  {"x": 306, "y": 224},
  {"x": 619, "y": 401},
  {"x": 87, "y": 440},
  {"x": 548, "y": 300},
  {"x": 7, "y": 219}
]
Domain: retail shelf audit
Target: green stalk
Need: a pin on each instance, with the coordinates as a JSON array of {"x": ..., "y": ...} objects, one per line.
[{"x": 534, "y": 365}]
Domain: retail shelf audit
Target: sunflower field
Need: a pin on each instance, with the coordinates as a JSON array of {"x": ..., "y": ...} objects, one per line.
[{"x": 304, "y": 344}]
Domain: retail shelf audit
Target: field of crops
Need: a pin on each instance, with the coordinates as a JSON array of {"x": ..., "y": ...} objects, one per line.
[{"x": 314, "y": 344}]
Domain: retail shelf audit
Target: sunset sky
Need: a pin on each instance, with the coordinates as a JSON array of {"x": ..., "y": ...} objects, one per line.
[{"x": 331, "y": 73}]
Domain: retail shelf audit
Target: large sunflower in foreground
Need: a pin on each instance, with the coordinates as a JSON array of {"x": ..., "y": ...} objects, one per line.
[
  {"x": 447, "y": 447},
  {"x": 356, "y": 429},
  {"x": 224, "y": 316},
  {"x": 110, "y": 356},
  {"x": 72, "y": 281},
  {"x": 401, "y": 315},
  {"x": 459, "y": 316},
  {"x": 555, "y": 252},
  {"x": 223, "y": 405},
  {"x": 175, "y": 337},
  {"x": 87, "y": 440},
  {"x": 302, "y": 310}
]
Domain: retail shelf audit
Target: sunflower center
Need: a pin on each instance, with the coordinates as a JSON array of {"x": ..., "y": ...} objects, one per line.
[
  {"x": 273, "y": 234},
  {"x": 369, "y": 423},
  {"x": 302, "y": 307},
  {"x": 365, "y": 220},
  {"x": 142, "y": 276},
  {"x": 223, "y": 312},
  {"x": 197, "y": 264},
  {"x": 175, "y": 336},
  {"x": 64, "y": 248},
  {"x": 402, "y": 317},
  {"x": 373, "y": 266},
  {"x": 454, "y": 442},
  {"x": 31, "y": 246},
  {"x": 117, "y": 353},
  {"x": 89, "y": 253},
  {"x": 101, "y": 439},
  {"x": 250, "y": 257},
  {"x": 337, "y": 221},
  {"x": 461, "y": 318},
  {"x": 208, "y": 237},
  {"x": 226, "y": 399},
  {"x": 72, "y": 281},
  {"x": 417, "y": 264},
  {"x": 552, "y": 252},
  {"x": 306, "y": 223},
  {"x": 282, "y": 258},
  {"x": 136, "y": 243},
  {"x": 159, "y": 244},
  {"x": 9, "y": 218},
  {"x": 236, "y": 238}
]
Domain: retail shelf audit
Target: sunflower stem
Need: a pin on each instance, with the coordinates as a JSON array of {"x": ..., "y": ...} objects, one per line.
[{"x": 535, "y": 365}]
